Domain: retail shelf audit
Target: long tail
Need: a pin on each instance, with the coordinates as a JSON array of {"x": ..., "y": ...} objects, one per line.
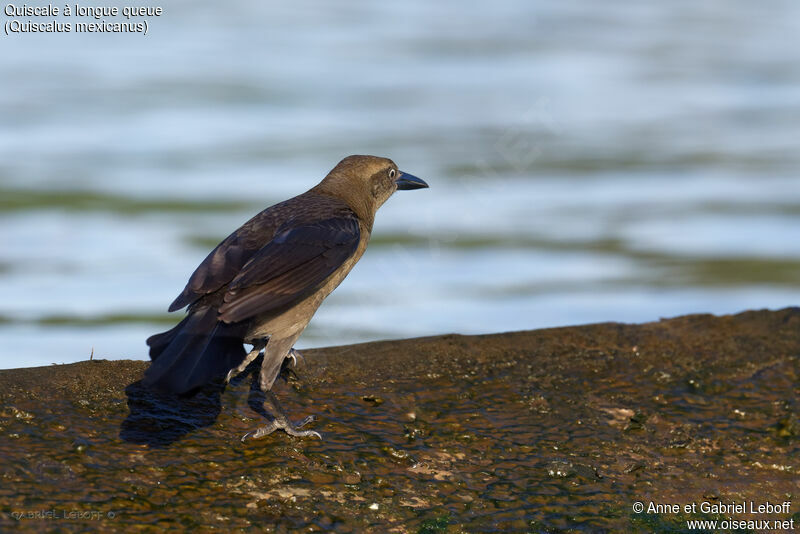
[{"x": 196, "y": 351}]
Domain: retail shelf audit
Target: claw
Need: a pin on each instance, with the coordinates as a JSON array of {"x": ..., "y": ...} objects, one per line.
[
  {"x": 233, "y": 372},
  {"x": 296, "y": 357},
  {"x": 281, "y": 421}
]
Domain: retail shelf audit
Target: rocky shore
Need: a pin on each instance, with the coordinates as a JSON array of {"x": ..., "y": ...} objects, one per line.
[{"x": 541, "y": 431}]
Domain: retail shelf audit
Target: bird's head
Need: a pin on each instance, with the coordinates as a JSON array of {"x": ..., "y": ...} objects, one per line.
[{"x": 366, "y": 182}]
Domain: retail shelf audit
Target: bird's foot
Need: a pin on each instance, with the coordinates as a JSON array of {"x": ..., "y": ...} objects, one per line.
[
  {"x": 252, "y": 355},
  {"x": 280, "y": 421},
  {"x": 285, "y": 425}
]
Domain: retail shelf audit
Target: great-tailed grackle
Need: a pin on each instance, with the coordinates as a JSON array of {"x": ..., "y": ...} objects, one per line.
[{"x": 263, "y": 283}]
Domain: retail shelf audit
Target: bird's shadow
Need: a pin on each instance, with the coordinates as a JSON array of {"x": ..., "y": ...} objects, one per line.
[{"x": 159, "y": 419}]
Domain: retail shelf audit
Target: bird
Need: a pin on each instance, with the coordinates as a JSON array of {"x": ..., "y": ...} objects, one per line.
[{"x": 263, "y": 283}]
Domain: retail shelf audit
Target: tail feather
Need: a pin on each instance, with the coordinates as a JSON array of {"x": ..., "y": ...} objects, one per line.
[
  {"x": 195, "y": 352},
  {"x": 158, "y": 343}
]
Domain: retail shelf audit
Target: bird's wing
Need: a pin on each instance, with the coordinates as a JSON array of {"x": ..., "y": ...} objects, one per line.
[
  {"x": 291, "y": 266},
  {"x": 224, "y": 262}
]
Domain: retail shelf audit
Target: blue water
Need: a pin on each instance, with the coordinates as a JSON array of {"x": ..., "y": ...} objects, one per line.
[{"x": 587, "y": 161}]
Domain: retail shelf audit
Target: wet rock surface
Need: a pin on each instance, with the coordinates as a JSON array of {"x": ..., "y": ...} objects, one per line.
[{"x": 541, "y": 431}]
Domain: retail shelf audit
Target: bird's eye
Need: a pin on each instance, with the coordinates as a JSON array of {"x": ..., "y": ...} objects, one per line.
[{"x": 392, "y": 173}]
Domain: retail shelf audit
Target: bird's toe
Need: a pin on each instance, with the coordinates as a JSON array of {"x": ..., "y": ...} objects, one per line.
[
  {"x": 286, "y": 426},
  {"x": 260, "y": 432}
]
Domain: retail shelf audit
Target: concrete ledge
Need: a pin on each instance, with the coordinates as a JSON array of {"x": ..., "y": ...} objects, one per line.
[{"x": 545, "y": 430}]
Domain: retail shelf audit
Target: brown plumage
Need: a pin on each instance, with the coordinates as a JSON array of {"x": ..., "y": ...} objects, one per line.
[{"x": 264, "y": 282}]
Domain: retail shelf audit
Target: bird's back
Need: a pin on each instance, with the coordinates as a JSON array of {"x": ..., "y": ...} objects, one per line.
[{"x": 223, "y": 263}]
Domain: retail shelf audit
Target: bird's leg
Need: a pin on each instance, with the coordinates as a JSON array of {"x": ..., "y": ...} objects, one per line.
[
  {"x": 280, "y": 421},
  {"x": 257, "y": 346},
  {"x": 275, "y": 356}
]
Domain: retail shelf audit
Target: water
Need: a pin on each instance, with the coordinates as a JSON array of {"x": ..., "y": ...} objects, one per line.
[{"x": 588, "y": 162}]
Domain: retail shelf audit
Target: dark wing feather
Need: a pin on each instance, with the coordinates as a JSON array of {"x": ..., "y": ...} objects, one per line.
[
  {"x": 224, "y": 262},
  {"x": 219, "y": 267},
  {"x": 290, "y": 266}
]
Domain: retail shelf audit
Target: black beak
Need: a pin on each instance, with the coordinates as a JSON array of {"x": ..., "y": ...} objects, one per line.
[{"x": 407, "y": 181}]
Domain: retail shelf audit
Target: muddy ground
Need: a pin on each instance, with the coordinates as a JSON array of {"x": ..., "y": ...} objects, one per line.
[{"x": 563, "y": 429}]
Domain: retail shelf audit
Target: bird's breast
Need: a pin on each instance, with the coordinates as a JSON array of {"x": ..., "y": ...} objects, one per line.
[{"x": 293, "y": 320}]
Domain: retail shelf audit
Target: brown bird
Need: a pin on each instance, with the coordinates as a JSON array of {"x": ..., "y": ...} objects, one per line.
[{"x": 263, "y": 283}]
